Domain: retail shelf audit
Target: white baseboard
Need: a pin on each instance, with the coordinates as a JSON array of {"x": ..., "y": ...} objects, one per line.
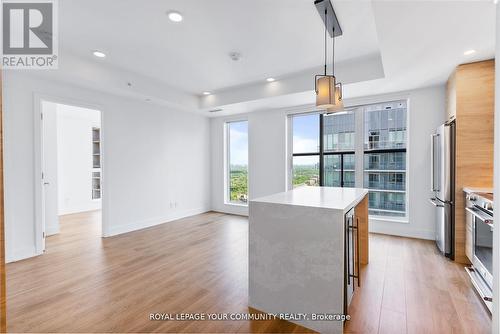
[
  {"x": 51, "y": 230},
  {"x": 116, "y": 230},
  {"x": 80, "y": 208},
  {"x": 21, "y": 254},
  {"x": 400, "y": 229},
  {"x": 232, "y": 209}
]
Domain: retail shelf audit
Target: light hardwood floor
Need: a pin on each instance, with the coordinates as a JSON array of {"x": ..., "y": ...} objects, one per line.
[
  {"x": 409, "y": 288},
  {"x": 199, "y": 264}
]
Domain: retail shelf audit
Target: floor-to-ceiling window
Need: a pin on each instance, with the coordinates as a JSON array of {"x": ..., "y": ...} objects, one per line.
[
  {"x": 237, "y": 162},
  {"x": 325, "y": 150}
]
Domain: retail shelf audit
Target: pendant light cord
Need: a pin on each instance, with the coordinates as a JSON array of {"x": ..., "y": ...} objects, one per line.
[
  {"x": 326, "y": 27},
  {"x": 333, "y": 52}
]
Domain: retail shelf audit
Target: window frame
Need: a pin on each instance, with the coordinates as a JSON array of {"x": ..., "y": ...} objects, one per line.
[
  {"x": 359, "y": 152},
  {"x": 321, "y": 152},
  {"x": 227, "y": 162}
]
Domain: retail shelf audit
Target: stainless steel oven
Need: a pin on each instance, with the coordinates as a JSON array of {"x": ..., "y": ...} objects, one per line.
[{"x": 481, "y": 214}]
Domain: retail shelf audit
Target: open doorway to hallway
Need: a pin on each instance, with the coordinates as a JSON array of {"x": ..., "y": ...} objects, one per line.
[{"x": 71, "y": 163}]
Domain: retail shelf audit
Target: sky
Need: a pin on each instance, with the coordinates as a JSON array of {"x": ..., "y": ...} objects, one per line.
[
  {"x": 306, "y": 133},
  {"x": 238, "y": 143}
]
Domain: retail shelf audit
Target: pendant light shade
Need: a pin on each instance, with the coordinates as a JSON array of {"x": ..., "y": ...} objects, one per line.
[
  {"x": 339, "y": 102},
  {"x": 325, "y": 92}
]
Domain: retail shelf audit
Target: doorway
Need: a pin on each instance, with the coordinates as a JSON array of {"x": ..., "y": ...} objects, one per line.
[{"x": 70, "y": 165}]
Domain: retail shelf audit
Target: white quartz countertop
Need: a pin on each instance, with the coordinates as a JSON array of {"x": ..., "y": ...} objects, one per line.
[{"x": 319, "y": 197}]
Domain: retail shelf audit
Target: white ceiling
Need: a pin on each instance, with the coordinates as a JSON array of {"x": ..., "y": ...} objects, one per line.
[
  {"x": 275, "y": 37},
  {"x": 398, "y": 45},
  {"x": 421, "y": 42}
]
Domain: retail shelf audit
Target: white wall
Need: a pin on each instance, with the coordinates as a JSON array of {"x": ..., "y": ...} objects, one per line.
[
  {"x": 156, "y": 160},
  {"x": 267, "y": 157},
  {"x": 74, "y": 158},
  {"x": 50, "y": 167}
]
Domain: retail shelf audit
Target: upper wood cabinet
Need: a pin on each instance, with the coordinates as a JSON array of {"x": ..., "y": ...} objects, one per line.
[
  {"x": 470, "y": 101},
  {"x": 451, "y": 97}
]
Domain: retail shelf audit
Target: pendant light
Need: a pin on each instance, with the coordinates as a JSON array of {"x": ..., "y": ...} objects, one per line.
[
  {"x": 339, "y": 102},
  {"x": 328, "y": 91}
]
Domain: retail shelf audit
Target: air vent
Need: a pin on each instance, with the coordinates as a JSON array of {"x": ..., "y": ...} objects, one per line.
[{"x": 215, "y": 110}]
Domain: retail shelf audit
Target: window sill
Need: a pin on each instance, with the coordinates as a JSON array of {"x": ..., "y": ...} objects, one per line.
[
  {"x": 237, "y": 205},
  {"x": 401, "y": 220}
]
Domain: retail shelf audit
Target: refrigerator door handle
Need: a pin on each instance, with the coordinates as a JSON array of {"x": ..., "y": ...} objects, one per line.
[
  {"x": 433, "y": 185},
  {"x": 435, "y": 203}
]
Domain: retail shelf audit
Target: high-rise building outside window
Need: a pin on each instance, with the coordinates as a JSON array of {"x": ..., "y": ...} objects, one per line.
[
  {"x": 385, "y": 158},
  {"x": 338, "y": 148}
]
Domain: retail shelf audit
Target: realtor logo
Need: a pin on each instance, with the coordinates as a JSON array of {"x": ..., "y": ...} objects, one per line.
[{"x": 29, "y": 34}]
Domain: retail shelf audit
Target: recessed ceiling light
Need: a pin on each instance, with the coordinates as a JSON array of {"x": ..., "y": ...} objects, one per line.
[
  {"x": 270, "y": 79},
  {"x": 469, "y": 52},
  {"x": 99, "y": 54},
  {"x": 206, "y": 93},
  {"x": 175, "y": 16}
]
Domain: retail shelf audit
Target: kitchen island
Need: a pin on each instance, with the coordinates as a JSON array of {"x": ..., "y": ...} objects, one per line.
[{"x": 305, "y": 247}]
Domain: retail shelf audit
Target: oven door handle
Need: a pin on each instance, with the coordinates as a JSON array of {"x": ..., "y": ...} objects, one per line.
[{"x": 481, "y": 216}]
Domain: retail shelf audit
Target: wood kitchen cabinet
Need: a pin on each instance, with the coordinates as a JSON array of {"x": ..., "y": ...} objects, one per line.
[
  {"x": 470, "y": 101},
  {"x": 361, "y": 212}
]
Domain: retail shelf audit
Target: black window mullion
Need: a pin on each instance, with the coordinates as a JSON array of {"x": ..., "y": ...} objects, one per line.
[
  {"x": 304, "y": 154},
  {"x": 321, "y": 151},
  {"x": 338, "y": 153},
  {"x": 342, "y": 170},
  {"x": 388, "y": 150}
]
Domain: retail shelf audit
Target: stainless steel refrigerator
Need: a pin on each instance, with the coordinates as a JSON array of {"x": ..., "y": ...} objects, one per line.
[{"x": 443, "y": 186}]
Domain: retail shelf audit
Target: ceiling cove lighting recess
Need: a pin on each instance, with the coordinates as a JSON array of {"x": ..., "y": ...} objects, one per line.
[
  {"x": 328, "y": 90},
  {"x": 99, "y": 54},
  {"x": 270, "y": 79},
  {"x": 469, "y": 52},
  {"x": 175, "y": 16}
]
